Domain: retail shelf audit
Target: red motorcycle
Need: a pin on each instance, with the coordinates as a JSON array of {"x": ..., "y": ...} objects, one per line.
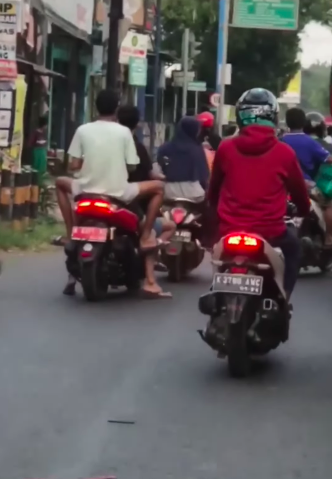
[{"x": 104, "y": 246}]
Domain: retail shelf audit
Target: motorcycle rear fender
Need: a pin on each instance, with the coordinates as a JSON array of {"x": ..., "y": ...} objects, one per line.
[
  {"x": 97, "y": 249},
  {"x": 210, "y": 304},
  {"x": 174, "y": 248}
]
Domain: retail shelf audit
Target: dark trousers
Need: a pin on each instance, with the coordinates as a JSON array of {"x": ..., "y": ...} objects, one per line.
[{"x": 291, "y": 249}]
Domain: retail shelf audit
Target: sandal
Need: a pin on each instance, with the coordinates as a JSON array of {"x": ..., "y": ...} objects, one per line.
[
  {"x": 59, "y": 241},
  {"x": 156, "y": 294}
]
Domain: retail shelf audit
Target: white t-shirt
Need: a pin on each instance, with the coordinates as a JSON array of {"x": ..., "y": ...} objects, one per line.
[{"x": 106, "y": 149}]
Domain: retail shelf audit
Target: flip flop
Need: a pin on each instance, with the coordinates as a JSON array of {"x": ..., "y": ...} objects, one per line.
[
  {"x": 59, "y": 241},
  {"x": 70, "y": 289},
  {"x": 155, "y": 295}
]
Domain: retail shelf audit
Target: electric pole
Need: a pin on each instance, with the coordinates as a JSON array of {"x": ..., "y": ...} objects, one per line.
[{"x": 115, "y": 15}]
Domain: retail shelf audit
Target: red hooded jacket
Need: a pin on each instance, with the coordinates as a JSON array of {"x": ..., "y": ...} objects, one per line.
[{"x": 251, "y": 177}]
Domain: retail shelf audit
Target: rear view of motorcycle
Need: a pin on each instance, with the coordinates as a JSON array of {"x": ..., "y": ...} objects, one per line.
[
  {"x": 247, "y": 305},
  {"x": 184, "y": 253},
  {"x": 311, "y": 231},
  {"x": 104, "y": 248}
]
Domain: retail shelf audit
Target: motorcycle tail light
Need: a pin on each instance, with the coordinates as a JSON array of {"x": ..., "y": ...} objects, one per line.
[
  {"x": 243, "y": 243},
  {"x": 178, "y": 215},
  {"x": 237, "y": 270},
  {"x": 95, "y": 208}
]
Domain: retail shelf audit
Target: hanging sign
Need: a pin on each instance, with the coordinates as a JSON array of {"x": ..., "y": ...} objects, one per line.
[{"x": 9, "y": 12}]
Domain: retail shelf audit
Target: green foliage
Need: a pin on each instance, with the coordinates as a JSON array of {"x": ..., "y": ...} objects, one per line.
[
  {"x": 315, "y": 88},
  {"x": 259, "y": 57},
  {"x": 47, "y": 200},
  {"x": 36, "y": 238}
]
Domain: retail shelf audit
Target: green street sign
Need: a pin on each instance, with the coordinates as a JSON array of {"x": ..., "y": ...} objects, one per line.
[
  {"x": 266, "y": 14},
  {"x": 197, "y": 86},
  {"x": 138, "y": 71}
]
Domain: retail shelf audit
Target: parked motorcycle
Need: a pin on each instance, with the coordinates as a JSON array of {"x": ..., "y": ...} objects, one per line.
[
  {"x": 104, "y": 246},
  {"x": 311, "y": 231},
  {"x": 247, "y": 305},
  {"x": 184, "y": 253}
]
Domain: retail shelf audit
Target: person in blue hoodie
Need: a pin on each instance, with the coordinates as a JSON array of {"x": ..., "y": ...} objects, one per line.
[
  {"x": 311, "y": 155},
  {"x": 184, "y": 164}
]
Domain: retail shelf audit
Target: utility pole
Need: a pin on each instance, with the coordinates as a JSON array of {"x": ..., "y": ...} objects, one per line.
[
  {"x": 185, "y": 68},
  {"x": 115, "y": 15},
  {"x": 156, "y": 74},
  {"x": 224, "y": 8}
]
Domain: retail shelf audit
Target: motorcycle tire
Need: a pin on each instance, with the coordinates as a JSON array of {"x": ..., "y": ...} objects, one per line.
[
  {"x": 237, "y": 350},
  {"x": 175, "y": 273},
  {"x": 94, "y": 287}
]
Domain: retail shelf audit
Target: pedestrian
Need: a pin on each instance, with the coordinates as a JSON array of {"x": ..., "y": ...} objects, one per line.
[{"x": 38, "y": 146}]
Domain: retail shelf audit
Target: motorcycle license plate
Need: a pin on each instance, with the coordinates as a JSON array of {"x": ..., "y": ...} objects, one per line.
[
  {"x": 183, "y": 236},
  {"x": 87, "y": 233},
  {"x": 238, "y": 284}
]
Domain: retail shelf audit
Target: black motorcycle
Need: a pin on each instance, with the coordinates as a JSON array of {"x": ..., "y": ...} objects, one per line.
[
  {"x": 247, "y": 305},
  {"x": 184, "y": 253},
  {"x": 311, "y": 232},
  {"x": 104, "y": 246}
]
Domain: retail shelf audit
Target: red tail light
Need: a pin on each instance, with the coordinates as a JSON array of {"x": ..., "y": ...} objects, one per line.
[
  {"x": 243, "y": 243},
  {"x": 94, "y": 208},
  {"x": 237, "y": 270},
  {"x": 178, "y": 215},
  {"x": 115, "y": 215}
]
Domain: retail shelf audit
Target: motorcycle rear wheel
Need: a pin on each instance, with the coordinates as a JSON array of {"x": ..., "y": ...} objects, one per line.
[
  {"x": 239, "y": 363},
  {"x": 94, "y": 286},
  {"x": 175, "y": 273}
]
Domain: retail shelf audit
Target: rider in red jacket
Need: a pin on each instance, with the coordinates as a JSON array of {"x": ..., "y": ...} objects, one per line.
[{"x": 252, "y": 175}]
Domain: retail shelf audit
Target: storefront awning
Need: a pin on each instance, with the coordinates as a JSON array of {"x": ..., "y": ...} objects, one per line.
[{"x": 40, "y": 70}]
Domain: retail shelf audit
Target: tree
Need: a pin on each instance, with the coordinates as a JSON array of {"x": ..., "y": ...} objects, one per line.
[
  {"x": 263, "y": 58},
  {"x": 315, "y": 88}
]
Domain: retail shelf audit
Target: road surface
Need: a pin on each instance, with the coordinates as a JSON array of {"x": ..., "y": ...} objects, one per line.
[{"x": 67, "y": 368}]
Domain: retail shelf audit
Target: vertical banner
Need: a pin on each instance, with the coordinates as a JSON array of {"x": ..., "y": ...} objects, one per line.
[
  {"x": 9, "y": 14},
  {"x": 12, "y": 103}
]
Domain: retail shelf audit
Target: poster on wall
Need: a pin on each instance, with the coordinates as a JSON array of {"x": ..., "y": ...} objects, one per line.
[
  {"x": 9, "y": 13},
  {"x": 12, "y": 103}
]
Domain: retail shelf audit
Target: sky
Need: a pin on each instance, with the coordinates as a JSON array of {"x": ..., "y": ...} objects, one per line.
[{"x": 316, "y": 43}]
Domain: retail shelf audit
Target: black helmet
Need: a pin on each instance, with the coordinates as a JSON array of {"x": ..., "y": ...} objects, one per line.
[
  {"x": 257, "y": 107},
  {"x": 315, "y": 125}
]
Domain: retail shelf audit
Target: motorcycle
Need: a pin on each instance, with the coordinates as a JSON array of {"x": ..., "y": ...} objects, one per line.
[
  {"x": 184, "y": 253},
  {"x": 311, "y": 231},
  {"x": 248, "y": 309},
  {"x": 104, "y": 246}
]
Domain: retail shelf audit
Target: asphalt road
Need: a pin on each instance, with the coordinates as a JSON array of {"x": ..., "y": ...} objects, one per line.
[{"x": 67, "y": 368}]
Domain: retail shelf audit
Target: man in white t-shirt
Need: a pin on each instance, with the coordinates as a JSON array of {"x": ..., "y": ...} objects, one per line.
[{"x": 102, "y": 153}]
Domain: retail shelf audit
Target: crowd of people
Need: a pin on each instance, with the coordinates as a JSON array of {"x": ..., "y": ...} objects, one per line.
[{"x": 243, "y": 180}]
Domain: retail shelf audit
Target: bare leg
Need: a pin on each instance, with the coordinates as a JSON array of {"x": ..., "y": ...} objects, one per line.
[
  {"x": 154, "y": 189},
  {"x": 63, "y": 188},
  {"x": 150, "y": 284},
  {"x": 168, "y": 230}
]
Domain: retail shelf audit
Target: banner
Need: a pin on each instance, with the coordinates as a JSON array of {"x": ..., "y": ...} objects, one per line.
[
  {"x": 9, "y": 13},
  {"x": 12, "y": 103}
]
